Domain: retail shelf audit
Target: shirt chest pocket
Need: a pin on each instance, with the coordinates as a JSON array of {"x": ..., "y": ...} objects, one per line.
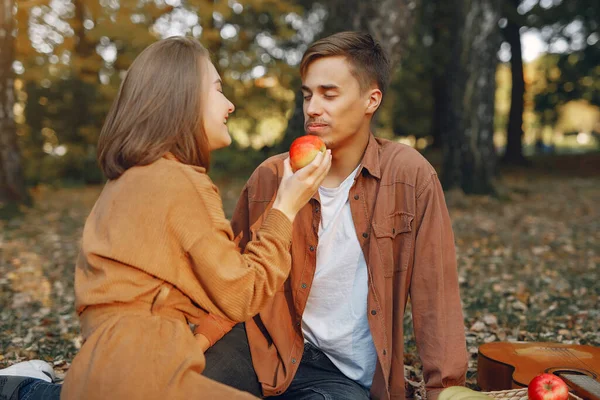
[{"x": 393, "y": 241}]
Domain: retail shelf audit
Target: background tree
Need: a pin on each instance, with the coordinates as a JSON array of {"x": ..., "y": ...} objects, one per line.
[
  {"x": 469, "y": 159},
  {"x": 71, "y": 55},
  {"x": 514, "y": 130},
  {"x": 12, "y": 186},
  {"x": 441, "y": 22},
  {"x": 75, "y": 53},
  {"x": 570, "y": 69}
]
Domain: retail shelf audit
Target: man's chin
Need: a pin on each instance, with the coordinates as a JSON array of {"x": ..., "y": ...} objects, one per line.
[
  {"x": 324, "y": 136},
  {"x": 320, "y": 133}
]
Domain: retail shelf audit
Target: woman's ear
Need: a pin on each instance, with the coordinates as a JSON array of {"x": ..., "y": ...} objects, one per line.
[{"x": 374, "y": 101}]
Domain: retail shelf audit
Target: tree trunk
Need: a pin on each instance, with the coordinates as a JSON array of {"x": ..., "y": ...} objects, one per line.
[
  {"x": 514, "y": 129},
  {"x": 444, "y": 33},
  {"x": 391, "y": 24},
  {"x": 440, "y": 109},
  {"x": 468, "y": 147},
  {"x": 82, "y": 51},
  {"x": 12, "y": 185}
]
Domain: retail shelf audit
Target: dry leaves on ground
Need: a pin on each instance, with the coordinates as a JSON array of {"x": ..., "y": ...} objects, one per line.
[{"x": 528, "y": 267}]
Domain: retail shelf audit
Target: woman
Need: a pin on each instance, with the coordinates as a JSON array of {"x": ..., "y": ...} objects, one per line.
[{"x": 157, "y": 251}]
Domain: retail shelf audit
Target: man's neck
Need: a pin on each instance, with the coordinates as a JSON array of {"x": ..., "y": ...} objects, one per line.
[{"x": 345, "y": 159}]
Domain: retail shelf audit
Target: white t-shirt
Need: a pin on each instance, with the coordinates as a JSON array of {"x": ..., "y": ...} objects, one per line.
[{"x": 335, "y": 317}]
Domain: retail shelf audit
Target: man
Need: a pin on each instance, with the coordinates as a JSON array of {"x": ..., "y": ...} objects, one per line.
[{"x": 377, "y": 231}]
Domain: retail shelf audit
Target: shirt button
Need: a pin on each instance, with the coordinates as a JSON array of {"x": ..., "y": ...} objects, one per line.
[
  {"x": 373, "y": 312},
  {"x": 384, "y": 352},
  {"x": 365, "y": 235},
  {"x": 393, "y": 230},
  {"x": 356, "y": 197},
  {"x": 293, "y": 361},
  {"x": 312, "y": 248},
  {"x": 298, "y": 323},
  {"x": 304, "y": 286},
  {"x": 317, "y": 209}
]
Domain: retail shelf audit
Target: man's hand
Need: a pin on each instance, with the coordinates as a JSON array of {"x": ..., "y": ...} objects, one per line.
[{"x": 202, "y": 341}]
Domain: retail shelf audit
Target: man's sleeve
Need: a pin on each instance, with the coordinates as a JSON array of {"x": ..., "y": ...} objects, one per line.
[
  {"x": 240, "y": 222},
  {"x": 210, "y": 325},
  {"x": 434, "y": 291}
]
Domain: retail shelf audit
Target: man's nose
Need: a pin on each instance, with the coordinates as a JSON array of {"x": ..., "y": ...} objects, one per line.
[{"x": 313, "y": 107}]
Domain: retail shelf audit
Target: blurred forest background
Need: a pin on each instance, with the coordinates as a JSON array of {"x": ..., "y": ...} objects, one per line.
[
  {"x": 502, "y": 96},
  {"x": 485, "y": 82}
]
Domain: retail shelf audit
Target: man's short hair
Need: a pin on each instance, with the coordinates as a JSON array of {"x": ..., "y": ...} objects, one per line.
[{"x": 368, "y": 60}]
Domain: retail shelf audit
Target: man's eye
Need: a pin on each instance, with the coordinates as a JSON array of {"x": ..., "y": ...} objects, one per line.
[
  {"x": 329, "y": 96},
  {"x": 307, "y": 97}
]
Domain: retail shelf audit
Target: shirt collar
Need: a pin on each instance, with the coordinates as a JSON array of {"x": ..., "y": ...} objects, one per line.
[
  {"x": 370, "y": 160},
  {"x": 170, "y": 156}
]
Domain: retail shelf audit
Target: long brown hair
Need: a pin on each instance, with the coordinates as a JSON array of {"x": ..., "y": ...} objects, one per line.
[{"x": 157, "y": 109}]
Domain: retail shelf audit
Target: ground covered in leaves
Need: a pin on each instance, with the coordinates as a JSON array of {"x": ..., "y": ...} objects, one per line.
[{"x": 528, "y": 263}]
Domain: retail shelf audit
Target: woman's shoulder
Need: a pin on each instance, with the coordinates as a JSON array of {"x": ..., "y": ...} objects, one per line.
[
  {"x": 163, "y": 196},
  {"x": 165, "y": 183},
  {"x": 192, "y": 194},
  {"x": 164, "y": 174}
]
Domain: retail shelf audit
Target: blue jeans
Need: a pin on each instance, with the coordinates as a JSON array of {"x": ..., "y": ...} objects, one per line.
[
  {"x": 28, "y": 389},
  {"x": 317, "y": 378}
]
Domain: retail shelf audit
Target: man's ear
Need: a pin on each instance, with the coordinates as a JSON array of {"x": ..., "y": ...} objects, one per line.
[{"x": 374, "y": 100}]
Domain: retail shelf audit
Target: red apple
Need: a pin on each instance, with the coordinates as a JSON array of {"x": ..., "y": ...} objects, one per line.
[
  {"x": 547, "y": 387},
  {"x": 304, "y": 149}
]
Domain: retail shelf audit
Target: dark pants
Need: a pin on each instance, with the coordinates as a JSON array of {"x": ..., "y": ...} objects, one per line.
[{"x": 229, "y": 362}]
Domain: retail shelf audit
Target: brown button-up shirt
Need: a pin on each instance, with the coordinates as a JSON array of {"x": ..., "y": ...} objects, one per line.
[{"x": 405, "y": 233}]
